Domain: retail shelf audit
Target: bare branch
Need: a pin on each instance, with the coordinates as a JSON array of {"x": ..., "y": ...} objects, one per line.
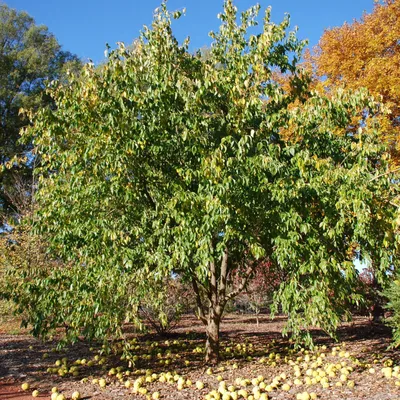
[
  {"x": 385, "y": 173},
  {"x": 248, "y": 275},
  {"x": 224, "y": 274}
]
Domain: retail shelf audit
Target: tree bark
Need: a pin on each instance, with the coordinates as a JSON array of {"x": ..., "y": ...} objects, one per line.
[
  {"x": 212, "y": 343},
  {"x": 211, "y": 301}
]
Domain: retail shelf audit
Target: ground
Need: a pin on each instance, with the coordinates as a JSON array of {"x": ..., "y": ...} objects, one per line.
[{"x": 256, "y": 359}]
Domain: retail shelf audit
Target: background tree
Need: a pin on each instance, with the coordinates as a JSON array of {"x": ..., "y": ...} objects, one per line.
[
  {"x": 162, "y": 163},
  {"x": 392, "y": 293},
  {"x": 29, "y": 55},
  {"x": 260, "y": 289},
  {"x": 366, "y": 53}
]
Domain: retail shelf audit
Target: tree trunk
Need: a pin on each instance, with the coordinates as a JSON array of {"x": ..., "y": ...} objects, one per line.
[
  {"x": 212, "y": 344},
  {"x": 215, "y": 294}
]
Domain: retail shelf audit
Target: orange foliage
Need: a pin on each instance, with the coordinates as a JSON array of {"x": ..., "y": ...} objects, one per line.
[{"x": 366, "y": 54}]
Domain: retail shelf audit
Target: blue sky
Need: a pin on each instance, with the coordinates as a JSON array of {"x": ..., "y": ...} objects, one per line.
[{"x": 84, "y": 26}]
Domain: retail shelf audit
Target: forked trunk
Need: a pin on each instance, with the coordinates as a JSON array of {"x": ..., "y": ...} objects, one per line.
[
  {"x": 211, "y": 303},
  {"x": 212, "y": 344}
]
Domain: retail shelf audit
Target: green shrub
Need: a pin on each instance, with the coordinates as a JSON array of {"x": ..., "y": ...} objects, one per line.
[{"x": 392, "y": 292}]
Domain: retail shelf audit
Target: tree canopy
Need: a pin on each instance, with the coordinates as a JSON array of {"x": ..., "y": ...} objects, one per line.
[
  {"x": 366, "y": 53},
  {"x": 163, "y": 162},
  {"x": 29, "y": 55}
]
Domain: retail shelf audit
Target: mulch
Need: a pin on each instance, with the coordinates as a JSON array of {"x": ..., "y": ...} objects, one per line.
[{"x": 23, "y": 359}]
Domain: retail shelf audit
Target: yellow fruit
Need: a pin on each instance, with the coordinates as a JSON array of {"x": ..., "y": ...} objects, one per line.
[
  {"x": 25, "y": 386},
  {"x": 60, "y": 397},
  {"x": 350, "y": 384},
  {"x": 35, "y": 393},
  {"x": 199, "y": 385},
  {"x": 155, "y": 395},
  {"x": 303, "y": 396},
  {"x": 102, "y": 383},
  {"x": 75, "y": 396},
  {"x": 54, "y": 396}
]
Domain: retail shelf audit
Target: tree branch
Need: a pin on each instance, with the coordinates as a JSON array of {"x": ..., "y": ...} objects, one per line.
[
  {"x": 224, "y": 274},
  {"x": 385, "y": 173},
  {"x": 234, "y": 293},
  {"x": 213, "y": 284},
  {"x": 200, "y": 309}
]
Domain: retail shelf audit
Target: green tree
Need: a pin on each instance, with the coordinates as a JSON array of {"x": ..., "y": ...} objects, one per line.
[
  {"x": 392, "y": 292},
  {"x": 29, "y": 55},
  {"x": 165, "y": 162}
]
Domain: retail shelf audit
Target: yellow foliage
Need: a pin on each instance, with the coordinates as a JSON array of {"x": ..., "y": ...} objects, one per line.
[{"x": 366, "y": 53}]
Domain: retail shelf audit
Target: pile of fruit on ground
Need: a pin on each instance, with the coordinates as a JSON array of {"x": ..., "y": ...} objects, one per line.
[{"x": 257, "y": 365}]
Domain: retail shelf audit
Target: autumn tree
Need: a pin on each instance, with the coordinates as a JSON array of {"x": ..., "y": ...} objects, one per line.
[
  {"x": 366, "y": 53},
  {"x": 260, "y": 288},
  {"x": 166, "y": 163}
]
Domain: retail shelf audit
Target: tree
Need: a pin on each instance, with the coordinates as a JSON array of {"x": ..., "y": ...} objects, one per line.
[
  {"x": 366, "y": 54},
  {"x": 165, "y": 163},
  {"x": 259, "y": 290},
  {"x": 374, "y": 300},
  {"x": 392, "y": 293},
  {"x": 29, "y": 55}
]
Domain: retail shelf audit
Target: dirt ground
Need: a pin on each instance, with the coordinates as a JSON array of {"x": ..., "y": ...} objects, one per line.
[{"x": 249, "y": 352}]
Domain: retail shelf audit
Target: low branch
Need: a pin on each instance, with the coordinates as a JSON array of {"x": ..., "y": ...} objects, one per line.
[{"x": 234, "y": 293}]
